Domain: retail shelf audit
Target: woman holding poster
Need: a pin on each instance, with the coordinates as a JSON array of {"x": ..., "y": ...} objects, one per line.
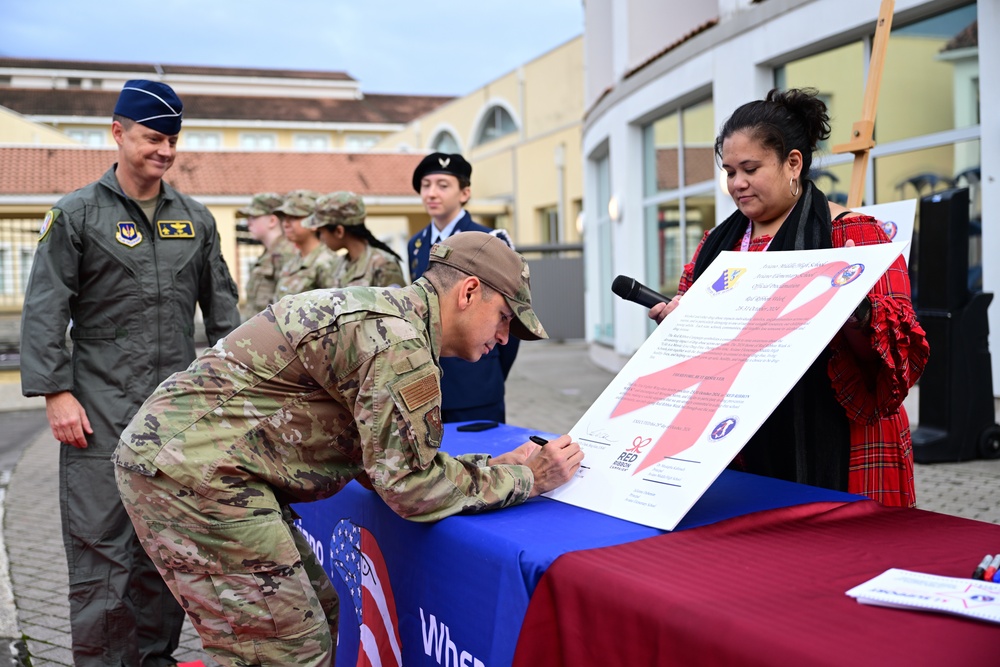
[{"x": 843, "y": 425}]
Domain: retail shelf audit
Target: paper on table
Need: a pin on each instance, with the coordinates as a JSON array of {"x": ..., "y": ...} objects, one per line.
[
  {"x": 710, "y": 374},
  {"x": 930, "y": 592}
]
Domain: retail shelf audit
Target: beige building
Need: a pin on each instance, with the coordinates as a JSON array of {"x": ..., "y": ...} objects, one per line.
[
  {"x": 224, "y": 108},
  {"x": 245, "y": 131},
  {"x": 521, "y": 132}
]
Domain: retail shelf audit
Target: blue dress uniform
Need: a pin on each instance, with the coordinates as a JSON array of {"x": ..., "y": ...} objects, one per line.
[{"x": 469, "y": 391}]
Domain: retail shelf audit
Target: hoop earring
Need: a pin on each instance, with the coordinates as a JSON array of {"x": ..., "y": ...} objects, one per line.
[{"x": 791, "y": 182}]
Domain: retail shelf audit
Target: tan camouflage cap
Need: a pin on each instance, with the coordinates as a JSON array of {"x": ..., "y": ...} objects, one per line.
[
  {"x": 495, "y": 264},
  {"x": 263, "y": 203},
  {"x": 298, "y": 203},
  {"x": 337, "y": 208}
]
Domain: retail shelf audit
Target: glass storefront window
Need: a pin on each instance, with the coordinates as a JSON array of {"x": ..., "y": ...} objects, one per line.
[
  {"x": 661, "y": 164},
  {"x": 604, "y": 328},
  {"x": 675, "y": 236},
  {"x": 931, "y": 78},
  {"x": 680, "y": 176},
  {"x": 838, "y": 75},
  {"x": 699, "y": 142},
  {"x": 928, "y": 106},
  {"x": 917, "y": 174}
]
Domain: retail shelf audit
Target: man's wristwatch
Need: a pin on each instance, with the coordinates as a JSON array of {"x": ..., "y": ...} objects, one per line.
[{"x": 861, "y": 316}]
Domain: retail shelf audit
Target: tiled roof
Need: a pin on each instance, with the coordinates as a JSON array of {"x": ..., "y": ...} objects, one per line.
[
  {"x": 99, "y": 103},
  {"x": 151, "y": 69},
  {"x": 45, "y": 171},
  {"x": 968, "y": 37},
  {"x": 691, "y": 34}
]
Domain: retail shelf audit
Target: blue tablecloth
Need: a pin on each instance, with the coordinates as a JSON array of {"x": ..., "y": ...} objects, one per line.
[{"x": 455, "y": 592}]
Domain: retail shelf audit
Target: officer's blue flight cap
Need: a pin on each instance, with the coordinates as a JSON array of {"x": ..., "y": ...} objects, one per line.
[{"x": 152, "y": 104}]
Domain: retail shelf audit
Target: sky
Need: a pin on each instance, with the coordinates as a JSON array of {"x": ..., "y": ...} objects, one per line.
[{"x": 433, "y": 47}]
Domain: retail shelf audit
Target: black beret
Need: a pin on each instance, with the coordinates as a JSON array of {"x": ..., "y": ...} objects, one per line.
[
  {"x": 152, "y": 104},
  {"x": 442, "y": 163}
]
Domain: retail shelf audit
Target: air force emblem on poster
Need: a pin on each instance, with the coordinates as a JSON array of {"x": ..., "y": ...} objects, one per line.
[
  {"x": 175, "y": 229},
  {"x": 848, "y": 275},
  {"x": 723, "y": 428},
  {"x": 726, "y": 281},
  {"x": 128, "y": 234},
  {"x": 890, "y": 228}
]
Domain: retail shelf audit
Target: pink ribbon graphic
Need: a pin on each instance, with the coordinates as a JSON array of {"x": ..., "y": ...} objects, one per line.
[{"x": 715, "y": 370}]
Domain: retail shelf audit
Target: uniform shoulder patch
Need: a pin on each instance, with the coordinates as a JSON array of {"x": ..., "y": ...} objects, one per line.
[
  {"x": 420, "y": 392},
  {"x": 175, "y": 229},
  {"x": 433, "y": 421},
  {"x": 50, "y": 219}
]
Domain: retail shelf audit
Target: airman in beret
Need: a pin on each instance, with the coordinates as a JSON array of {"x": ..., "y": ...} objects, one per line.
[{"x": 471, "y": 392}]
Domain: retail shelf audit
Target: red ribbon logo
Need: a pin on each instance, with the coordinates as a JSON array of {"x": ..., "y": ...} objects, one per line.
[{"x": 714, "y": 371}]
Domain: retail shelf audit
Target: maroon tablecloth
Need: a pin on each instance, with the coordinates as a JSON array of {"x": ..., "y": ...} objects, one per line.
[{"x": 763, "y": 589}]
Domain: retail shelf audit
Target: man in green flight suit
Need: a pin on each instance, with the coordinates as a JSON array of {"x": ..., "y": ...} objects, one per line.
[
  {"x": 123, "y": 261},
  {"x": 319, "y": 389}
]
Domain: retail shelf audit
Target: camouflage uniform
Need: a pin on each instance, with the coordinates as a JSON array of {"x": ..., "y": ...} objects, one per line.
[
  {"x": 375, "y": 268},
  {"x": 316, "y": 270},
  {"x": 263, "y": 281},
  {"x": 262, "y": 286},
  {"x": 318, "y": 389}
]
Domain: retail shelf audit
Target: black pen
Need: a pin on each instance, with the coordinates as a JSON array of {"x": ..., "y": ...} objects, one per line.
[{"x": 538, "y": 440}]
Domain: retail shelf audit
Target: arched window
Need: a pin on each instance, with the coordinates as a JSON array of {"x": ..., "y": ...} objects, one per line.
[
  {"x": 445, "y": 142},
  {"x": 496, "y": 123}
]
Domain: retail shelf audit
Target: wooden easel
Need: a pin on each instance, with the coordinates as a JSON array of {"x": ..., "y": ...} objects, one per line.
[{"x": 862, "y": 132}]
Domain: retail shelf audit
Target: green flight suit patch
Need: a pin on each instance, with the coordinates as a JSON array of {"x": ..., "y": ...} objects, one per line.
[
  {"x": 50, "y": 219},
  {"x": 128, "y": 234},
  {"x": 175, "y": 229}
]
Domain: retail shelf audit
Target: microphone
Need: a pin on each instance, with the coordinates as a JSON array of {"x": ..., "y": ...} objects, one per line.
[{"x": 631, "y": 289}]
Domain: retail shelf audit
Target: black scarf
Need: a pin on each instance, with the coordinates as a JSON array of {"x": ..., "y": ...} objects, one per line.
[{"x": 807, "y": 437}]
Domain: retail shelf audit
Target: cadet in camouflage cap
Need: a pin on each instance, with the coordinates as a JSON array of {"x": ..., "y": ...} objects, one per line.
[
  {"x": 318, "y": 389},
  {"x": 265, "y": 226},
  {"x": 298, "y": 204},
  {"x": 339, "y": 220},
  {"x": 263, "y": 203},
  {"x": 492, "y": 261},
  {"x": 337, "y": 208},
  {"x": 315, "y": 266}
]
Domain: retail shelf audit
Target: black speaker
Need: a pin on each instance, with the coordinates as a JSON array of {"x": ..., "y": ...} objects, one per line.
[
  {"x": 943, "y": 251},
  {"x": 956, "y": 389}
]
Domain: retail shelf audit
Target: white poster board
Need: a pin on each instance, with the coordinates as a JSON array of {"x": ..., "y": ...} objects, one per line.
[
  {"x": 897, "y": 220},
  {"x": 710, "y": 374}
]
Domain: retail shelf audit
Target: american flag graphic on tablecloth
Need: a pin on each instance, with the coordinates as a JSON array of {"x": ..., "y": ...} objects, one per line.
[{"x": 359, "y": 562}]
